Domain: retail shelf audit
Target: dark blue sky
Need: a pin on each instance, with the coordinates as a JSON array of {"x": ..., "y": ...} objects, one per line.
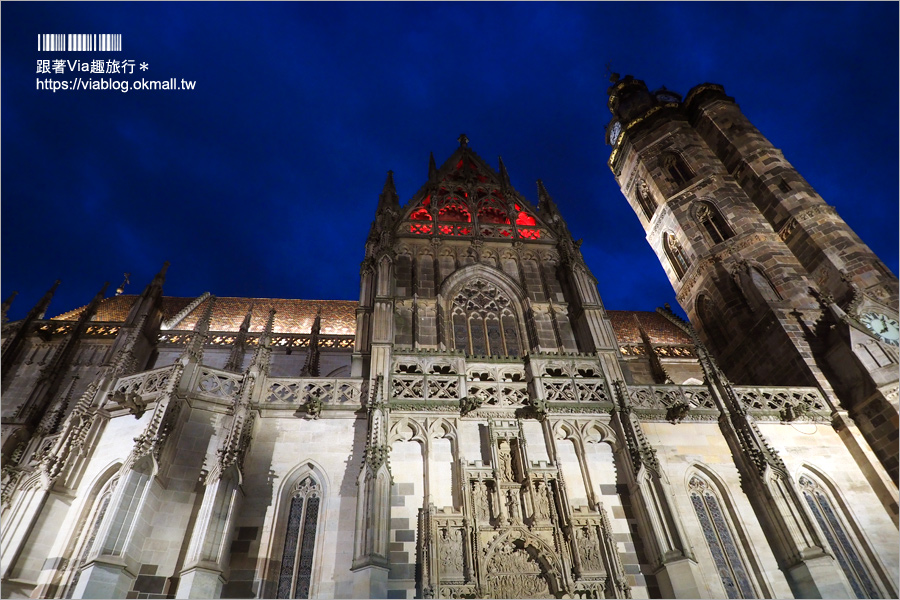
[{"x": 263, "y": 180}]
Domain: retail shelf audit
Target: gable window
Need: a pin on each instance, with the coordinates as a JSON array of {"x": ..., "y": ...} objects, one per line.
[
  {"x": 483, "y": 321},
  {"x": 295, "y": 578}
]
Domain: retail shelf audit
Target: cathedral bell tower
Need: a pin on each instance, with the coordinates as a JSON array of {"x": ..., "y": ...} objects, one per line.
[{"x": 776, "y": 283}]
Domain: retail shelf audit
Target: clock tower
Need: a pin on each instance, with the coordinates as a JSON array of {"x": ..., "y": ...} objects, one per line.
[{"x": 777, "y": 285}]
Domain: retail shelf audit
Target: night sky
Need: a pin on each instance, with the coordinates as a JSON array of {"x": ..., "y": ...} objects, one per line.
[{"x": 263, "y": 181}]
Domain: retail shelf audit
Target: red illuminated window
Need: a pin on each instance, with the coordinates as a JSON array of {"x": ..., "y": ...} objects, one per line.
[
  {"x": 420, "y": 215},
  {"x": 530, "y": 234},
  {"x": 420, "y": 229},
  {"x": 525, "y": 219},
  {"x": 455, "y": 213}
]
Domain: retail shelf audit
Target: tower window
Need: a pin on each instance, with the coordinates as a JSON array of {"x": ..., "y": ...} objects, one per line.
[
  {"x": 648, "y": 204},
  {"x": 295, "y": 577},
  {"x": 709, "y": 217},
  {"x": 675, "y": 254},
  {"x": 676, "y": 169}
]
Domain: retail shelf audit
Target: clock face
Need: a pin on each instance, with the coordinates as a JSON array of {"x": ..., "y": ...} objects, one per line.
[
  {"x": 885, "y": 328},
  {"x": 667, "y": 97},
  {"x": 614, "y": 133}
]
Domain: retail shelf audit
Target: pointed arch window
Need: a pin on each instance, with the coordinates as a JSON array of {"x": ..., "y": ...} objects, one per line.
[
  {"x": 483, "y": 321},
  {"x": 720, "y": 539},
  {"x": 295, "y": 578},
  {"x": 675, "y": 254},
  {"x": 676, "y": 169},
  {"x": 648, "y": 204},
  {"x": 88, "y": 533},
  {"x": 839, "y": 539},
  {"x": 709, "y": 217}
]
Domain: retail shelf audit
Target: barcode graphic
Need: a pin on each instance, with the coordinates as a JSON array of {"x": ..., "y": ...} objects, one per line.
[{"x": 80, "y": 42}]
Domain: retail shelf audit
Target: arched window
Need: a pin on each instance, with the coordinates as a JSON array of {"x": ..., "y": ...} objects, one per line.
[
  {"x": 675, "y": 254},
  {"x": 709, "y": 217},
  {"x": 88, "y": 532},
  {"x": 839, "y": 539},
  {"x": 648, "y": 204},
  {"x": 676, "y": 169},
  {"x": 483, "y": 321},
  {"x": 300, "y": 540},
  {"x": 720, "y": 539}
]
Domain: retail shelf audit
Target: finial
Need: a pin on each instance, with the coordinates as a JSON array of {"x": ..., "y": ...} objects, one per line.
[
  {"x": 463, "y": 140},
  {"x": 125, "y": 282},
  {"x": 432, "y": 166},
  {"x": 7, "y": 303},
  {"x": 504, "y": 175},
  {"x": 245, "y": 325},
  {"x": 389, "y": 192}
]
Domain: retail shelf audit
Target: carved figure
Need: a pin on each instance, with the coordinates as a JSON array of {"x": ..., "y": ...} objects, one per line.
[
  {"x": 587, "y": 548},
  {"x": 505, "y": 457},
  {"x": 482, "y": 506}
]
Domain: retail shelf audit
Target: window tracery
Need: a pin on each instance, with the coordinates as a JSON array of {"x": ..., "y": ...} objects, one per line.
[
  {"x": 483, "y": 321},
  {"x": 295, "y": 577},
  {"x": 709, "y": 217},
  {"x": 720, "y": 539},
  {"x": 675, "y": 255},
  {"x": 838, "y": 538}
]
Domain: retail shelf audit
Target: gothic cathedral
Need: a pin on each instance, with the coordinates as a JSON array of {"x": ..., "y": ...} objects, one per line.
[{"x": 478, "y": 424}]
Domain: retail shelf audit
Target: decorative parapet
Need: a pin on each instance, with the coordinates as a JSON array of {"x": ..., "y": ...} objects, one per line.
[
  {"x": 662, "y": 351},
  {"x": 284, "y": 341},
  {"x": 217, "y": 384},
  {"x": 330, "y": 393},
  {"x": 694, "y": 402},
  {"x": 50, "y": 328},
  {"x": 783, "y": 403}
]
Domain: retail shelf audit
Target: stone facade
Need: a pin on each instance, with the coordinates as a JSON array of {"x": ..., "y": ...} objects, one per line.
[{"x": 478, "y": 424}]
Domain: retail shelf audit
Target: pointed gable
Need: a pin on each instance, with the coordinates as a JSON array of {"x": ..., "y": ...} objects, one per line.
[{"x": 466, "y": 197}]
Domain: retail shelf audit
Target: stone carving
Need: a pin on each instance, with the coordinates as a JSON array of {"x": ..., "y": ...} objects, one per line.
[
  {"x": 515, "y": 574},
  {"x": 541, "y": 503},
  {"x": 450, "y": 546},
  {"x": 482, "y": 503},
  {"x": 588, "y": 548},
  {"x": 505, "y": 459}
]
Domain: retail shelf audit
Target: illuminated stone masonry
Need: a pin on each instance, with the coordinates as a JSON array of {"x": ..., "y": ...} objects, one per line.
[{"x": 478, "y": 424}]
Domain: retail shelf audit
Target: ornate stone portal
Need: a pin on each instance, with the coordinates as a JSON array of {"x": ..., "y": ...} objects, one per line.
[{"x": 516, "y": 536}]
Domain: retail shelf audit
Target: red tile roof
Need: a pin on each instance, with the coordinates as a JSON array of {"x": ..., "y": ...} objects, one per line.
[{"x": 658, "y": 328}]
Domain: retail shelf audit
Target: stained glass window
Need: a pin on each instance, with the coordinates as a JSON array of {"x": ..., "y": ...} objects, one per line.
[
  {"x": 841, "y": 546},
  {"x": 717, "y": 532},
  {"x": 295, "y": 578}
]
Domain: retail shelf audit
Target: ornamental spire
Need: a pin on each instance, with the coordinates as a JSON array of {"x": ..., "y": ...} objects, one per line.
[
  {"x": 432, "y": 167},
  {"x": 312, "y": 358},
  {"x": 389, "y": 193},
  {"x": 6, "y": 304},
  {"x": 504, "y": 175},
  {"x": 193, "y": 350},
  {"x": 236, "y": 358}
]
